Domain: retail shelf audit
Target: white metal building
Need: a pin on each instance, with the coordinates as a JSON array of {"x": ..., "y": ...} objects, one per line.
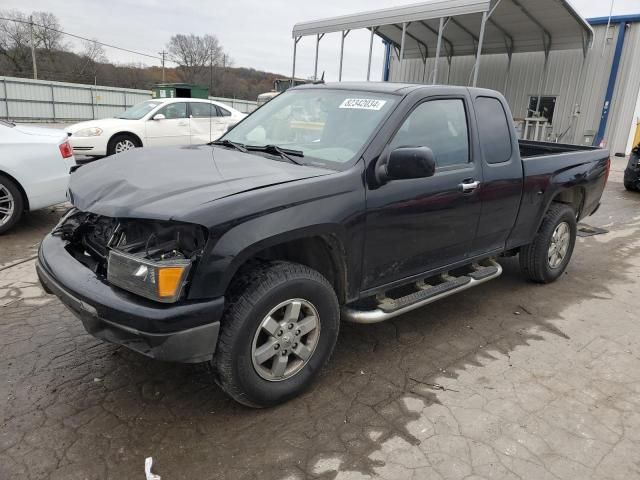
[{"x": 566, "y": 79}]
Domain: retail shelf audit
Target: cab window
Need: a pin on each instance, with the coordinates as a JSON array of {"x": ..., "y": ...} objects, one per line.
[{"x": 440, "y": 125}]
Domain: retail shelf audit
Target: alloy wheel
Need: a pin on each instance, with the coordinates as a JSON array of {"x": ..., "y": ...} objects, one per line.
[
  {"x": 7, "y": 205},
  {"x": 285, "y": 340},
  {"x": 559, "y": 246}
]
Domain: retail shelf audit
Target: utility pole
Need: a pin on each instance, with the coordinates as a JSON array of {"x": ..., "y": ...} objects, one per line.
[
  {"x": 33, "y": 48},
  {"x": 163, "y": 53}
]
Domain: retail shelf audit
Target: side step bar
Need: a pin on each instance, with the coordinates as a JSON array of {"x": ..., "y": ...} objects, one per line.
[{"x": 388, "y": 307}]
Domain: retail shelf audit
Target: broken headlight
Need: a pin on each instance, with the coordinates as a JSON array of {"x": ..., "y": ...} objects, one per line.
[{"x": 161, "y": 280}]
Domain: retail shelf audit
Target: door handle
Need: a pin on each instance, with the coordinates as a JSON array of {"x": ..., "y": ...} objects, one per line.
[
  {"x": 182, "y": 124},
  {"x": 469, "y": 186}
]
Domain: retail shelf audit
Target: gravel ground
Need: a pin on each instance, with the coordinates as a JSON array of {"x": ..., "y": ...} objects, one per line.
[{"x": 509, "y": 380}]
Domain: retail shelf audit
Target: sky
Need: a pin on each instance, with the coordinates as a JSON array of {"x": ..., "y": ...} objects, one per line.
[{"x": 255, "y": 33}]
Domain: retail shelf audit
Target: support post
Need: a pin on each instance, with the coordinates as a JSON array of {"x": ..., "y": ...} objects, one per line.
[
  {"x": 435, "y": 68},
  {"x": 33, "y": 49},
  {"x": 315, "y": 67},
  {"x": 343, "y": 35},
  {"x": 543, "y": 81},
  {"x": 404, "y": 34},
  {"x": 293, "y": 70},
  {"x": 373, "y": 31},
  {"x": 480, "y": 40}
]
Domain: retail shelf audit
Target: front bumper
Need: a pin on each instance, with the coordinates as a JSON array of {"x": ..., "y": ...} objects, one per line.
[
  {"x": 184, "y": 332},
  {"x": 89, "y": 145}
]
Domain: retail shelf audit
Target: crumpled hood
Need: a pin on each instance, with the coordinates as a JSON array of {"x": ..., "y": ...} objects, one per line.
[{"x": 168, "y": 182}]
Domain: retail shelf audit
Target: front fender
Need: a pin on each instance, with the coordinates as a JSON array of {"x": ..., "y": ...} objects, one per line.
[{"x": 337, "y": 213}]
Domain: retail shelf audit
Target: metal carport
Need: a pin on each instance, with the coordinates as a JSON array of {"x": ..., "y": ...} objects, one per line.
[{"x": 447, "y": 28}]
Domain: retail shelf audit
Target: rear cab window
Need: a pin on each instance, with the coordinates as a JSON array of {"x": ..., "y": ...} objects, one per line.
[{"x": 493, "y": 129}]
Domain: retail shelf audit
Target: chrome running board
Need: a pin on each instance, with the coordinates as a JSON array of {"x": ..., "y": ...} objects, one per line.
[{"x": 425, "y": 294}]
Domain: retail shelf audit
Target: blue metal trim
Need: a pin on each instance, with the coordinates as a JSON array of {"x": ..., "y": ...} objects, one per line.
[
  {"x": 635, "y": 17},
  {"x": 622, "y": 28},
  {"x": 387, "y": 61}
]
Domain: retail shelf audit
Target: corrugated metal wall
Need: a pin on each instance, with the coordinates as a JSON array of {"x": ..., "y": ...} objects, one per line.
[
  {"x": 24, "y": 99},
  {"x": 580, "y": 90}
]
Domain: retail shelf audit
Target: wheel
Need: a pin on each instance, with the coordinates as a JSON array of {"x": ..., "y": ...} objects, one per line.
[
  {"x": 11, "y": 204},
  {"x": 629, "y": 186},
  {"x": 278, "y": 331},
  {"x": 121, "y": 143},
  {"x": 544, "y": 259}
]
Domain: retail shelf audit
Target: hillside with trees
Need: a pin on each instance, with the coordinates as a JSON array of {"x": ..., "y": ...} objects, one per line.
[{"x": 189, "y": 58}]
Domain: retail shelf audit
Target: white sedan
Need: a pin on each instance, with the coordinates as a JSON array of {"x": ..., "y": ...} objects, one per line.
[
  {"x": 175, "y": 121},
  {"x": 34, "y": 170}
]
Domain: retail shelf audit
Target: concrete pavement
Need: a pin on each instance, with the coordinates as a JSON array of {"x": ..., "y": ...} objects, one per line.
[{"x": 509, "y": 380}]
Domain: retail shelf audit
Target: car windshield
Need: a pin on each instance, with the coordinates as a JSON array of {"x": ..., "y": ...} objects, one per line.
[
  {"x": 328, "y": 126},
  {"x": 139, "y": 110}
]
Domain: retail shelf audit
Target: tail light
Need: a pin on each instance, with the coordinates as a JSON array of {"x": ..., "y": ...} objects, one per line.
[
  {"x": 66, "y": 150},
  {"x": 607, "y": 171}
]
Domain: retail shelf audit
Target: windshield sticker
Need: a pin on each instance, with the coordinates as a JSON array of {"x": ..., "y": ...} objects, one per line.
[{"x": 363, "y": 103}]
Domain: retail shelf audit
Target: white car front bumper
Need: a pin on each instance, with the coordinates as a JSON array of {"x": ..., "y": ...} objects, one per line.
[{"x": 89, "y": 145}]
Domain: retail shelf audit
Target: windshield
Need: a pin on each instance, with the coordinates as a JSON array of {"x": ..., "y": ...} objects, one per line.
[
  {"x": 139, "y": 110},
  {"x": 328, "y": 126}
]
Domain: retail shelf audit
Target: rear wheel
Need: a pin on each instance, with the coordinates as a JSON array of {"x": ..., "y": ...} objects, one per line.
[
  {"x": 121, "y": 143},
  {"x": 278, "y": 331},
  {"x": 11, "y": 204},
  {"x": 547, "y": 257}
]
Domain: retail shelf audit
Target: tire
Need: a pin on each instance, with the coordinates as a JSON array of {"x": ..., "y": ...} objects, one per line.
[
  {"x": 11, "y": 204},
  {"x": 122, "y": 142},
  {"x": 629, "y": 186},
  {"x": 254, "y": 296},
  {"x": 536, "y": 261}
]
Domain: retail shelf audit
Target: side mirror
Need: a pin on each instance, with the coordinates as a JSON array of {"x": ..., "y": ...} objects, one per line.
[
  {"x": 408, "y": 162},
  {"x": 159, "y": 116}
]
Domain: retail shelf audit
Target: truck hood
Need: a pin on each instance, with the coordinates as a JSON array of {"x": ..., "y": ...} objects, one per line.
[{"x": 167, "y": 183}]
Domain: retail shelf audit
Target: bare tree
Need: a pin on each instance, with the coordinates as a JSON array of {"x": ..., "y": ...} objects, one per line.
[
  {"x": 194, "y": 53},
  {"x": 14, "y": 40},
  {"x": 46, "y": 32}
]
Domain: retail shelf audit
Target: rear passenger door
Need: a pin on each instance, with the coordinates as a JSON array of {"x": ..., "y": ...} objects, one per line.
[
  {"x": 502, "y": 173},
  {"x": 418, "y": 225}
]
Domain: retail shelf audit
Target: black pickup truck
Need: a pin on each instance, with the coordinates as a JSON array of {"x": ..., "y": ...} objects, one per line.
[{"x": 359, "y": 201}]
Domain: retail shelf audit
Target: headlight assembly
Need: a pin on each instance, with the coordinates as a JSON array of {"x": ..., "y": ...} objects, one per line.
[
  {"x": 160, "y": 280},
  {"x": 88, "y": 132}
]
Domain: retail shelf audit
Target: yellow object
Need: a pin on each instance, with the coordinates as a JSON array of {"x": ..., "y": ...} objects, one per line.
[
  {"x": 636, "y": 139},
  {"x": 169, "y": 279}
]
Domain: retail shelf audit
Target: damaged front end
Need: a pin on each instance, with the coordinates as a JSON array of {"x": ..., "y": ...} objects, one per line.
[{"x": 150, "y": 258}]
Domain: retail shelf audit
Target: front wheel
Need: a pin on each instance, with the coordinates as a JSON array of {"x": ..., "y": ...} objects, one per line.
[
  {"x": 279, "y": 330},
  {"x": 121, "y": 143},
  {"x": 547, "y": 257}
]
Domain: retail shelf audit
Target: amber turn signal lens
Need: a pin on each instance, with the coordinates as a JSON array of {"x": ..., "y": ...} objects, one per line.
[{"x": 169, "y": 281}]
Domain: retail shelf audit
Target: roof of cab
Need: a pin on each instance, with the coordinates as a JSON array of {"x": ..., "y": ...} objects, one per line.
[{"x": 377, "y": 87}]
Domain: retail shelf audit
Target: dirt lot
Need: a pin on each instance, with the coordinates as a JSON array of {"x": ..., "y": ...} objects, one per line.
[{"x": 509, "y": 380}]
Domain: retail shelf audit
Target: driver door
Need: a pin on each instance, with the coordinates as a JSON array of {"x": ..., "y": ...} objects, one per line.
[
  {"x": 417, "y": 225},
  {"x": 174, "y": 129}
]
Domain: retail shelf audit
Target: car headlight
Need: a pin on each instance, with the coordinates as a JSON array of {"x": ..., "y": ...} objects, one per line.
[
  {"x": 160, "y": 280},
  {"x": 88, "y": 132}
]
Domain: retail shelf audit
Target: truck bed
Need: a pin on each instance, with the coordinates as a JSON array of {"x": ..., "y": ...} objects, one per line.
[{"x": 529, "y": 148}]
